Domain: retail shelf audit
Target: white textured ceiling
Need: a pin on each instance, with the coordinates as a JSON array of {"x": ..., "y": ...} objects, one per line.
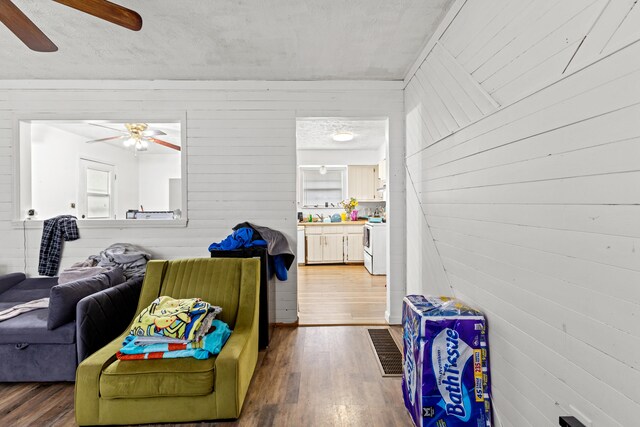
[
  {"x": 316, "y": 134},
  {"x": 228, "y": 40}
]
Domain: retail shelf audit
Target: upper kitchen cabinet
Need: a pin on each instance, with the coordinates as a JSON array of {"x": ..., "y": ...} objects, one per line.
[
  {"x": 363, "y": 183},
  {"x": 382, "y": 171}
]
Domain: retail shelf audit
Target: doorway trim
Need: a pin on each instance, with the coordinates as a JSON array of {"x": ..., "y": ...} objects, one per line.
[{"x": 395, "y": 204}]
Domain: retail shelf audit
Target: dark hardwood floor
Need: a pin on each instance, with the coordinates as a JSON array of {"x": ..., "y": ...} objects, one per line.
[{"x": 310, "y": 376}]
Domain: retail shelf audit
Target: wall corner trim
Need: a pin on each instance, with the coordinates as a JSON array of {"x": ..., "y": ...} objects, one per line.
[{"x": 446, "y": 21}]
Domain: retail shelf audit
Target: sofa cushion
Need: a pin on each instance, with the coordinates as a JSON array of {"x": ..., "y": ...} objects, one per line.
[
  {"x": 31, "y": 328},
  {"x": 29, "y": 290},
  {"x": 158, "y": 377},
  {"x": 63, "y": 298}
]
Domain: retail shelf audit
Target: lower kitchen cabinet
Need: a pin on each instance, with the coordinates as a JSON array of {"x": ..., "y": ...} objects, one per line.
[
  {"x": 314, "y": 248},
  {"x": 354, "y": 249},
  {"x": 333, "y": 248},
  {"x": 325, "y": 249},
  {"x": 332, "y": 244}
]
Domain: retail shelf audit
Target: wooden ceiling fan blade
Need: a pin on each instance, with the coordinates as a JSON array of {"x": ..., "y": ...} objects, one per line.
[
  {"x": 152, "y": 132},
  {"x": 113, "y": 138},
  {"x": 108, "y": 11},
  {"x": 164, "y": 143},
  {"x": 24, "y": 28}
]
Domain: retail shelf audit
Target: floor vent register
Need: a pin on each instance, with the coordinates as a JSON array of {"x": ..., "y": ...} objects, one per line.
[{"x": 387, "y": 352}]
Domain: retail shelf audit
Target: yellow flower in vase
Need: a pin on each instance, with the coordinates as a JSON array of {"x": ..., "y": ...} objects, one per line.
[{"x": 349, "y": 206}]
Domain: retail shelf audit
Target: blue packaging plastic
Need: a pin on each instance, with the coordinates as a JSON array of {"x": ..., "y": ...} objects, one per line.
[{"x": 445, "y": 381}]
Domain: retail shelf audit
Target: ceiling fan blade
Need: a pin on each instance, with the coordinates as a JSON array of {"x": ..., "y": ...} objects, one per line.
[
  {"x": 152, "y": 132},
  {"x": 108, "y": 11},
  {"x": 122, "y": 131},
  {"x": 113, "y": 138},
  {"x": 24, "y": 28},
  {"x": 164, "y": 143}
]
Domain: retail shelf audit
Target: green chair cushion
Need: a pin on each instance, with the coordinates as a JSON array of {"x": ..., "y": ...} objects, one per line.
[{"x": 159, "y": 377}]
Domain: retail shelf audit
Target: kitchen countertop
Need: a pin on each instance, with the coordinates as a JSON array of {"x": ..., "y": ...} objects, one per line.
[{"x": 359, "y": 222}]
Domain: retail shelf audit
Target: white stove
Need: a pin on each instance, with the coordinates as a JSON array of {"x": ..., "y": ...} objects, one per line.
[{"x": 375, "y": 248}]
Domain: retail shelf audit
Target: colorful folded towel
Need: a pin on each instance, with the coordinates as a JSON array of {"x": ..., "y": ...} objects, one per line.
[
  {"x": 211, "y": 344},
  {"x": 173, "y": 318}
]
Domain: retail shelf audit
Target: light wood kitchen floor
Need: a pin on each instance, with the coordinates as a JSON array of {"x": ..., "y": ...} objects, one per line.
[{"x": 340, "y": 295}]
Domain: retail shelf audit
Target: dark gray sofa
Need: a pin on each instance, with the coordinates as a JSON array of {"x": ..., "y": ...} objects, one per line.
[{"x": 30, "y": 351}]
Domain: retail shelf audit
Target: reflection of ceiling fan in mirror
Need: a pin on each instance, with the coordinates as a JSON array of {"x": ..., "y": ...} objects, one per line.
[
  {"x": 35, "y": 39},
  {"x": 137, "y": 135}
]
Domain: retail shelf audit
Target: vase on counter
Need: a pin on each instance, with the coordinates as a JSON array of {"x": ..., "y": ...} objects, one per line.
[{"x": 354, "y": 215}]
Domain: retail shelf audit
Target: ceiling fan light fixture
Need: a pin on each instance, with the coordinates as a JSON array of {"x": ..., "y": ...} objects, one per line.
[
  {"x": 342, "y": 136},
  {"x": 129, "y": 142}
]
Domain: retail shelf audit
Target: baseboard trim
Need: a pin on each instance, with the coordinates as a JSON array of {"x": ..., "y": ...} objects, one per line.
[
  {"x": 287, "y": 325},
  {"x": 392, "y": 320}
]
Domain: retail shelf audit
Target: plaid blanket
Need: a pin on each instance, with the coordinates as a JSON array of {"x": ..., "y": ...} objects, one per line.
[{"x": 55, "y": 231}]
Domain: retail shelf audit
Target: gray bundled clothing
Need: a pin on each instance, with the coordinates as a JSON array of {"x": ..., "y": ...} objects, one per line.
[
  {"x": 76, "y": 273},
  {"x": 132, "y": 259}
]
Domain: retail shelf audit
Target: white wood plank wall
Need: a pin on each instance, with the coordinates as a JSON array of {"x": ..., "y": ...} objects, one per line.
[
  {"x": 523, "y": 185},
  {"x": 241, "y": 159}
]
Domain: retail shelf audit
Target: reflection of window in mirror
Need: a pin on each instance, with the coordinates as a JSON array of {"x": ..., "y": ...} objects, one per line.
[{"x": 96, "y": 169}]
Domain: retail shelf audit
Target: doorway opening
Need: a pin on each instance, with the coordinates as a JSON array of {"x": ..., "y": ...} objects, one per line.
[{"x": 342, "y": 230}]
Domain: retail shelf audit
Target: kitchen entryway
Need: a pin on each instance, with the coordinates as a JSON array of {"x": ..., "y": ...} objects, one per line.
[
  {"x": 339, "y": 295},
  {"x": 342, "y": 230}
]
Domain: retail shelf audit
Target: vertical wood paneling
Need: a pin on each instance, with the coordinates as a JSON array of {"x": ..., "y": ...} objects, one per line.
[
  {"x": 241, "y": 158},
  {"x": 532, "y": 204}
]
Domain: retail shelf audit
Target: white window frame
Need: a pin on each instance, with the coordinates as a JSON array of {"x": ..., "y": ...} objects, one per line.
[
  {"x": 22, "y": 150},
  {"x": 303, "y": 201}
]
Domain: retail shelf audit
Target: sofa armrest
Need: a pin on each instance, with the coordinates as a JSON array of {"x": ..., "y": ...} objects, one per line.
[
  {"x": 8, "y": 281},
  {"x": 104, "y": 315},
  {"x": 234, "y": 369}
]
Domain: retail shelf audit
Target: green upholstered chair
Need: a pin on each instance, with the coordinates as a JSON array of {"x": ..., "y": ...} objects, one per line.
[{"x": 109, "y": 391}]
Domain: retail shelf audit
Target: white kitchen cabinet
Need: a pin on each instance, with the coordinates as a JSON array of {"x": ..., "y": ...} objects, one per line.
[
  {"x": 362, "y": 182},
  {"x": 325, "y": 244},
  {"x": 382, "y": 171},
  {"x": 314, "y": 248},
  {"x": 382, "y": 180},
  {"x": 331, "y": 244},
  {"x": 300, "y": 255},
  {"x": 354, "y": 249},
  {"x": 332, "y": 252}
]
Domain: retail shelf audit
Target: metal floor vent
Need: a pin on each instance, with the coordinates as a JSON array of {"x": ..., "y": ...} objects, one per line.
[{"x": 389, "y": 356}]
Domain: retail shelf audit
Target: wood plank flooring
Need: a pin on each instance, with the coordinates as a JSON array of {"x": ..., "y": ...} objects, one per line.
[
  {"x": 311, "y": 376},
  {"x": 340, "y": 295}
]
